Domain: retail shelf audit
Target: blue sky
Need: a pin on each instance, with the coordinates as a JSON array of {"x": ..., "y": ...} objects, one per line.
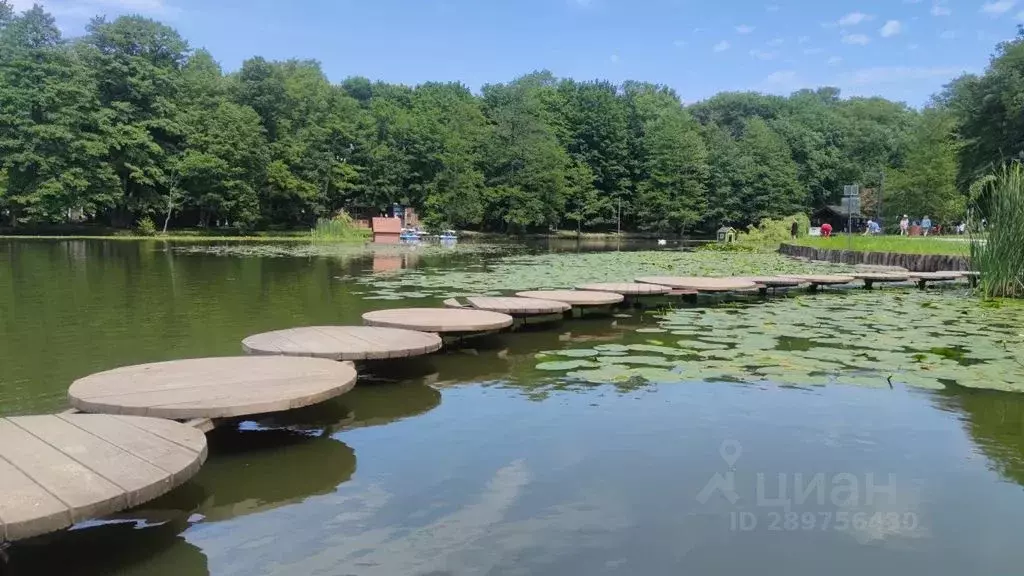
[{"x": 901, "y": 49}]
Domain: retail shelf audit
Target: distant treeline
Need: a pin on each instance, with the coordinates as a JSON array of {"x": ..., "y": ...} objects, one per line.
[{"x": 127, "y": 123}]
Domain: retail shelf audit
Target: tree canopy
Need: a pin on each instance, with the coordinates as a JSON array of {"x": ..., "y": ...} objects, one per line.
[{"x": 130, "y": 122}]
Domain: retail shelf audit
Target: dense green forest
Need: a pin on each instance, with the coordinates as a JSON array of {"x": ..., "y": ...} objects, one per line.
[{"x": 128, "y": 122}]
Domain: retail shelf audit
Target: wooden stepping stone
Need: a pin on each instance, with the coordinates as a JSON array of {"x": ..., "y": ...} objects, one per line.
[
  {"x": 213, "y": 387},
  {"x": 343, "y": 342},
  {"x": 870, "y": 278},
  {"x": 57, "y": 470},
  {"x": 773, "y": 281},
  {"x": 922, "y": 278},
  {"x": 626, "y": 288},
  {"x": 580, "y": 298},
  {"x": 822, "y": 279},
  {"x": 700, "y": 284},
  {"x": 514, "y": 306},
  {"x": 440, "y": 320}
]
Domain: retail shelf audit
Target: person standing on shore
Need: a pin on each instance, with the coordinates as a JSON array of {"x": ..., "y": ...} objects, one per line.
[
  {"x": 926, "y": 225},
  {"x": 826, "y": 230},
  {"x": 904, "y": 225},
  {"x": 793, "y": 230}
]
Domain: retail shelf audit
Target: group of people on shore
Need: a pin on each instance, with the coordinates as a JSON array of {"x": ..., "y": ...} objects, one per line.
[{"x": 925, "y": 225}]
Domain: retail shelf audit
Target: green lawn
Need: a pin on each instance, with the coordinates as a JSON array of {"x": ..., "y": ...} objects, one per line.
[{"x": 956, "y": 245}]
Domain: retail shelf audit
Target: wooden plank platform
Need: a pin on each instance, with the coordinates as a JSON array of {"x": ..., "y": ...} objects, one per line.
[
  {"x": 580, "y": 298},
  {"x": 923, "y": 278},
  {"x": 57, "y": 470},
  {"x": 627, "y": 288},
  {"x": 514, "y": 306},
  {"x": 440, "y": 320},
  {"x": 213, "y": 387},
  {"x": 700, "y": 284},
  {"x": 343, "y": 342}
]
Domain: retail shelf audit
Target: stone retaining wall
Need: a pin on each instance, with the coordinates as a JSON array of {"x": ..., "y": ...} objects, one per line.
[{"x": 912, "y": 262}]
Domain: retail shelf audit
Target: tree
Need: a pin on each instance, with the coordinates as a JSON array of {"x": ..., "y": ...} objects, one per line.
[
  {"x": 136, "y": 63},
  {"x": 770, "y": 188},
  {"x": 927, "y": 182},
  {"x": 51, "y": 126},
  {"x": 672, "y": 181}
]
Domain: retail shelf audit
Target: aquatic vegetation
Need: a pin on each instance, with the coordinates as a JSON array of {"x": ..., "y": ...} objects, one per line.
[
  {"x": 342, "y": 250},
  {"x": 1000, "y": 256},
  {"x": 879, "y": 339},
  {"x": 565, "y": 270}
]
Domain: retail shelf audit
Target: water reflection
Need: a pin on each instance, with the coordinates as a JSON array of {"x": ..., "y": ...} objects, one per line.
[{"x": 995, "y": 421}]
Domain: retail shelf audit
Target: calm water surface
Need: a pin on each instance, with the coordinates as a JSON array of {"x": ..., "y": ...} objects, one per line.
[{"x": 467, "y": 463}]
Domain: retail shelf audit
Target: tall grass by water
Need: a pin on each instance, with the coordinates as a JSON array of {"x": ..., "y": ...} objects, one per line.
[
  {"x": 341, "y": 228},
  {"x": 999, "y": 257}
]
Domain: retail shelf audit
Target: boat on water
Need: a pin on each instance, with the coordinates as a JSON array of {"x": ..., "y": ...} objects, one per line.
[{"x": 410, "y": 235}]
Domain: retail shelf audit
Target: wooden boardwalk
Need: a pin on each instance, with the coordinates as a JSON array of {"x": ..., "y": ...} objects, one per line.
[
  {"x": 56, "y": 470},
  {"x": 773, "y": 281},
  {"x": 439, "y": 320},
  {"x": 213, "y": 387},
  {"x": 627, "y": 288},
  {"x": 343, "y": 342},
  {"x": 575, "y": 298},
  {"x": 700, "y": 284}
]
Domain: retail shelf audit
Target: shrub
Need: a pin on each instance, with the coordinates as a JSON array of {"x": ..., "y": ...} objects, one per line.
[{"x": 146, "y": 227}]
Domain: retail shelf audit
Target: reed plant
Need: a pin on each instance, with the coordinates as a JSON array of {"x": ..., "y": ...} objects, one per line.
[
  {"x": 997, "y": 229},
  {"x": 341, "y": 228}
]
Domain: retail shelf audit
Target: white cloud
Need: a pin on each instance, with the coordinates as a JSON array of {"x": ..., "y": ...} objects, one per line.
[
  {"x": 1020, "y": 16},
  {"x": 803, "y": 40},
  {"x": 679, "y": 43},
  {"x": 854, "y": 18},
  {"x": 812, "y": 51},
  {"x": 776, "y": 42},
  {"x": 911, "y": 1},
  {"x": 949, "y": 34},
  {"x": 744, "y": 29},
  {"x": 891, "y": 28},
  {"x": 896, "y": 74},
  {"x": 912, "y": 46},
  {"x": 938, "y": 10},
  {"x": 998, "y": 7},
  {"x": 834, "y": 60},
  {"x": 857, "y": 39},
  {"x": 614, "y": 58},
  {"x": 721, "y": 46},
  {"x": 772, "y": 8},
  {"x": 762, "y": 55},
  {"x": 583, "y": 3}
]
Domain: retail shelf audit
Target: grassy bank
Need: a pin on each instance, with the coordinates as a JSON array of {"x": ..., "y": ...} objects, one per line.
[{"x": 898, "y": 244}]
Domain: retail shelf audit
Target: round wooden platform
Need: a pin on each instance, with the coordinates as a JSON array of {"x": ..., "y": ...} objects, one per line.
[
  {"x": 627, "y": 288},
  {"x": 822, "y": 279},
  {"x": 936, "y": 276},
  {"x": 343, "y": 342},
  {"x": 881, "y": 276},
  {"x": 580, "y": 298},
  {"x": 213, "y": 387},
  {"x": 441, "y": 320},
  {"x": 57, "y": 470},
  {"x": 773, "y": 281},
  {"x": 517, "y": 306},
  {"x": 700, "y": 284}
]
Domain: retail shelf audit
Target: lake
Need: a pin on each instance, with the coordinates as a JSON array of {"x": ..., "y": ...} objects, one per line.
[{"x": 843, "y": 433}]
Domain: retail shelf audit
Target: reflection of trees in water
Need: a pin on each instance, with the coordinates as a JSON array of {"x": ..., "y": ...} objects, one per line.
[
  {"x": 995, "y": 420},
  {"x": 120, "y": 549}
]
